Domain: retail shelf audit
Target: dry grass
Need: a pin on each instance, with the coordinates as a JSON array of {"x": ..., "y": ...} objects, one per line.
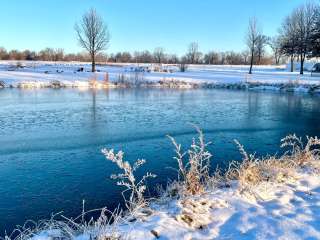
[
  {"x": 299, "y": 153},
  {"x": 247, "y": 172},
  {"x": 253, "y": 171},
  {"x": 193, "y": 171},
  {"x": 105, "y": 227}
]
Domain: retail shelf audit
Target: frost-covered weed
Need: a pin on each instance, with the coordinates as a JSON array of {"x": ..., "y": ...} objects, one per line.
[
  {"x": 301, "y": 154},
  {"x": 128, "y": 180},
  {"x": 105, "y": 227},
  {"x": 247, "y": 172},
  {"x": 253, "y": 171},
  {"x": 195, "y": 171}
]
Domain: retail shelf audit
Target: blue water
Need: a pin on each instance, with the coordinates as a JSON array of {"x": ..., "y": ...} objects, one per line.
[{"x": 50, "y": 140}]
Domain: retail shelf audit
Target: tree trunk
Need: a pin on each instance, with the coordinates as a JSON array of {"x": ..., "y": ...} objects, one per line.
[
  {"x": 291, "y": 59},
  {"x": 93, "y": 64},
  {"x": 251, "y": 63},
  {"x": 277, "y": 57},
  {"x": 301, "y": 64}
]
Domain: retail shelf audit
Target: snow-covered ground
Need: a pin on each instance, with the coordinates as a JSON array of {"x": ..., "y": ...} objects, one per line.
[
  {"x": 289, "y": 210},
  {"x": 45, "y": 73}
]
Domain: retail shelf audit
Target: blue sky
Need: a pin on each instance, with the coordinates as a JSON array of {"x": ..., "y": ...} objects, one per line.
[{"x": 140, "y": 24}]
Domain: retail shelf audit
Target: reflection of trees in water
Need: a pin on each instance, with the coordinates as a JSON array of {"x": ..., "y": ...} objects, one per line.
[
  {"x": 94, "y": 106},
  {"x": 182, "y": 98},
  {"x": 252, "y": 109},
  {"x": 120, "y": 92},
  {"x": 148, "y": 94},
  {"x": 285, "y": 105},
  {"x": 98, "y": 115},
  {"x": 299, "y": 111},
  {"x": 253, "y": 103},
  {"x": 295, "y": 109}
]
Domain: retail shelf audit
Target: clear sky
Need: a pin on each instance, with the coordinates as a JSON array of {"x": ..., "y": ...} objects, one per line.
[{"x": 140, "y": 24}]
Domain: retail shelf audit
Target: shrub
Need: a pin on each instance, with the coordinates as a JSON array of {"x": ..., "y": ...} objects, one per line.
[
  {"x": 183, "y": 67},
  {"x": 19, "y": 65}
]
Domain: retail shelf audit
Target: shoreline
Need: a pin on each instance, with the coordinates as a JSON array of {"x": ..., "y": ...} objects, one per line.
[{"x": 176, "y": 84}]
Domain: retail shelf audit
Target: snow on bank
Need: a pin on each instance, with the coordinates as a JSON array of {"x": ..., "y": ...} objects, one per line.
[
  {"x": 270, "y": 211},
  {"x": 288, "y": 211},
  {"x": 67, "y": 74}
]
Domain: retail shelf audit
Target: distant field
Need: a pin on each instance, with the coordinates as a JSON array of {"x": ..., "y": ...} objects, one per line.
[{"x": 13, "y": 73}]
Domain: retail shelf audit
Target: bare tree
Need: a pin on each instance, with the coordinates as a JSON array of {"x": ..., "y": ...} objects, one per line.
[
  {"x": 260, "y": 48},
  {"x": 143, "y": 57},
  {"x": 275, "y": 45},
  {"x": 193, "y": 54},
  {"x": 58, "y": 54},
  {"x": 16, "y": 55},
  {"x": 159, "y": 54},
  {"x": 3, "y": 54},
  {"x": 252, "y": 39},
  {"x": 124, "y": 57},
  {"x": 245, "y": 56},
  {"x": 30, "y": 55},
  {"x": 47, "y": 54},
  {"x": 306, "y": 17},
  {"x": 172, "y": 58},
  {"x": 315, "y": 38},
  {"x": 211, "y": 58},
  {"x": 93, "y": 34},
  {"x": 288, "y": 38}
]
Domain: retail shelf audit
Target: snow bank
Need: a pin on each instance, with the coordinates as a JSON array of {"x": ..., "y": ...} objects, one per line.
[
  {"x": 289, "y": 211},
  {"x": 48, "y": 74}
]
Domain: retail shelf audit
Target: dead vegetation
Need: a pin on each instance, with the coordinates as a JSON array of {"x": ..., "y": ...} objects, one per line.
[
  {"x": 103, "y": 228},
  {"x": 253, "y": 171},
  {"x": 136, "y": 188},
  {"x": 193, "y": 171},
  {"x": 301, "y": 154}
]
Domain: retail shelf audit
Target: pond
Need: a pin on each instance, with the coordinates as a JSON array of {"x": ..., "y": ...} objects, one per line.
[{"x": 51, "y": 140}]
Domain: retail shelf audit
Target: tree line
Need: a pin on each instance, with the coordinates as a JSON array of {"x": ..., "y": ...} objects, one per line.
[
  {"x": 47, "y": 54},
  {"x": 159, "y": 55},
  {"x": 193, "y": 56}
]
